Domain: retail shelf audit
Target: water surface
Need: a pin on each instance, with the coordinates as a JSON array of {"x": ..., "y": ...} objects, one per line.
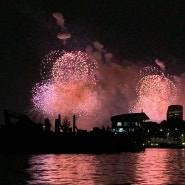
[{"x": 154, "y": 166}]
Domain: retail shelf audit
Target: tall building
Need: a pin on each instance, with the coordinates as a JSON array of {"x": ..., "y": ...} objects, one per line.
[{"x": 175, "y": 112}]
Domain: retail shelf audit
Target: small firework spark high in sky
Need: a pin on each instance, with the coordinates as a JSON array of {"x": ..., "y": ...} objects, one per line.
[
  {"x": 155, "y": 92},
  {"x": 68, "y": 86}
]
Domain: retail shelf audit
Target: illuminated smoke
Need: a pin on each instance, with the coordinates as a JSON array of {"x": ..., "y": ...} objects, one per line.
[
  {"x": 91, "y": 85},
  {"x": 68, "y": 86},
  {"x": 116, "y": 84},
  {"x": 60, "y": 21},
  {"x": 50, "y": 99},
  {"x": 87, "y": 84},
  {"x": 63, "y": 36},
  {"x": 160, "y": 64},
  {"x": 155, "y": 92}
]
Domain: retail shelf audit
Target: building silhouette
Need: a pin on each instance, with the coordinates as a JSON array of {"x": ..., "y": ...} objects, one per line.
[{"x": 175, "y": 112}]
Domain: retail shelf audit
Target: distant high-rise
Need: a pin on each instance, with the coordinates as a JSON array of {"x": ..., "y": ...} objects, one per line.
[{"x": 175, "y": 112}]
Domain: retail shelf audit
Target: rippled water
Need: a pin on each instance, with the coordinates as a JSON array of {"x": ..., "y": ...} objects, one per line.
[{"x": 154, "y": 166}]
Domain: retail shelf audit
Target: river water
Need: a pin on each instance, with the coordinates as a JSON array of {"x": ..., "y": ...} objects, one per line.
[{"x": 154, "y": 166}]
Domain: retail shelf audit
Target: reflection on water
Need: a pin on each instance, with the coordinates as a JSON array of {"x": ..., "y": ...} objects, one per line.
[
  {"x": 161, "y": 166},
  {"x": 154, "y": 166}
]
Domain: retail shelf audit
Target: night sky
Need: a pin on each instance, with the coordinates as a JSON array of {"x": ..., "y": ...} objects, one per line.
[{"x": 133, "y": 31}]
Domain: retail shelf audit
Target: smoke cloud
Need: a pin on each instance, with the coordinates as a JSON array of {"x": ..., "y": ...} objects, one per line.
[
  {"x": 116, "y": 89},
  {"x": 160, "y": 64},
  {"x": 116, "y": 84},
  {"x": 60, "y": 21}
]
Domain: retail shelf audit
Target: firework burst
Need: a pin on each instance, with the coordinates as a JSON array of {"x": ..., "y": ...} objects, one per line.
[
  {"x": 74, "y": 66},
  {"x": 155, "y": 92},
  {"x": 47, "y": 64},
  {"x": 68, "y": 86}
]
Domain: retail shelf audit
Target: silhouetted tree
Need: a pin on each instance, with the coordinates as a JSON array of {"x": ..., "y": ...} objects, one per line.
[
  {"x": 108, "y": 128},
  {"x": 66, "y": 124}
]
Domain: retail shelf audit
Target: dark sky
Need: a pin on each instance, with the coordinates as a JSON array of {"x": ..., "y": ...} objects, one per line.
[{"x": 132, "y": 30}]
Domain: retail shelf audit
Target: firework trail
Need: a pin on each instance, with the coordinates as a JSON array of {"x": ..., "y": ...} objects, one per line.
[
  {"x": 155, "y": 92},
  {"x": 68, "y": 86}
]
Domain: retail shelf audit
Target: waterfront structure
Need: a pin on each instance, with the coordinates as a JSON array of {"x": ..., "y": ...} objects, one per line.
[
  {"x": 131, "y": 122},
  {"x": 129, "y": 128},
  {"x": 25, "y": 136}
]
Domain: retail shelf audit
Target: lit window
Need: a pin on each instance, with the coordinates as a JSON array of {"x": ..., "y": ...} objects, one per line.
[
  {"x": 119, "y": 124},
  {"x": 121, "y": 130},
  {"x": 136, "y": 124}
]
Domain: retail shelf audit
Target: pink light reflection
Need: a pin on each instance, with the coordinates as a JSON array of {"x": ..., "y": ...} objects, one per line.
[
  {"x": 62, "y": 169},
  {"x": 156, "y": 166}
]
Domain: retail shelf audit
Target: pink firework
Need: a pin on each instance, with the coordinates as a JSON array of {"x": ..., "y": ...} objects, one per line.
[
  {"x": 68, "y": 86},
  {"x": 74, "y": 66},
  {"x": 47, "y": 64},
  {"x": 155, "y": 92}
]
